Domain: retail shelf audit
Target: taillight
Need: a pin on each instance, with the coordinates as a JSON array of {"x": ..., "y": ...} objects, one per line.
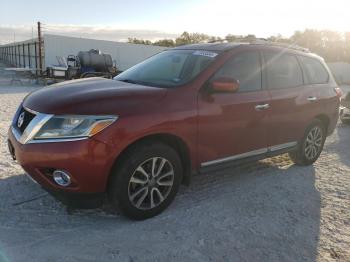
[{"x": 338, "y": 91}]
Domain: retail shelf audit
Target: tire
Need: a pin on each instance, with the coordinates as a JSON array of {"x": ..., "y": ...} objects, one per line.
[
  {"x": 307, "y": 153},
  {"x": 345, "y": 121},
  {"x": 341, "y": 115},
  {"x": 136, "y": 190}
]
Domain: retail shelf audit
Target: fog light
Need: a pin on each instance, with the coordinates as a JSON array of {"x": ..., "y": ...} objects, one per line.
[{"x": 61, "y": 178}]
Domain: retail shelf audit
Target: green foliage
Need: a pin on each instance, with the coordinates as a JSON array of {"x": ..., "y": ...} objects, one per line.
[
  {"x": 333, "y": 46},
  {"x": 165, "y": 42},
  {"x": 191, "y": 38},
  {"x": 139, "y": 41},
  {"x": 184, "y": 39}
]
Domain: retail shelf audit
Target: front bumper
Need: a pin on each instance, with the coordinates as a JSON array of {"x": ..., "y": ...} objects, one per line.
[{"x": 88, "y": 161}]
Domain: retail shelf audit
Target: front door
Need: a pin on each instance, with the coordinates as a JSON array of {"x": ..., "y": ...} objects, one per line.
[{"x": 234, "y": 125}]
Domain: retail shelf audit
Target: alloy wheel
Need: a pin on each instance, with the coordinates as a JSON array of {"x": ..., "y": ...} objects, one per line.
[
  {"x": 313, "y": 143},
  {"x": 151, "y": 183}
]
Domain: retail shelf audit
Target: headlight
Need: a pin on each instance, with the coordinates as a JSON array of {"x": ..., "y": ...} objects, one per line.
[{"x": 64, "y": 127}]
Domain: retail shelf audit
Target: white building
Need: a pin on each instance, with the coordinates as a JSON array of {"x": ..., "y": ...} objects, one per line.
[{"x": 26, "y": 53}]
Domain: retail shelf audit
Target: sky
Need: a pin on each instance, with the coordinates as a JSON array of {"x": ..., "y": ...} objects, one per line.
[{"x": 155, "y": 19}]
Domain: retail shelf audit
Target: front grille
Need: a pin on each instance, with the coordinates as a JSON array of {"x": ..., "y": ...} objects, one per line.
[{"x": 27, "y": 118}]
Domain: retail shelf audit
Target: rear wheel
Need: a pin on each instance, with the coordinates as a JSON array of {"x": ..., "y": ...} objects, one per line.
[
  {"x": 344, "y": 111},
  {"x": 146, "y": 181},
  {"x": 310, "y": 147},
  {"x": 345, "y": 121}
]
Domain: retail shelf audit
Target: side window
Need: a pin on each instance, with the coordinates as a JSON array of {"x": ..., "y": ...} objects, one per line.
[
  {"x": 315, "y": 71},
  {"x": 283, "y": 71},
  {"x": 245, "y": 68}
]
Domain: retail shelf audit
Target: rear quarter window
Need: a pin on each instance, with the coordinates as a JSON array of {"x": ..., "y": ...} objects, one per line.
[
  {"x": 283, "y": 70},
  {"x": 316, "y": 73}
]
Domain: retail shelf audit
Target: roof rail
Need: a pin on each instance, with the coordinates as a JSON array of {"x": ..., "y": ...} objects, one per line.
[
  {"x": 238, "y": 39},
  {"x": 279, "y": 44},
  {"x": 263, "y": 41}
]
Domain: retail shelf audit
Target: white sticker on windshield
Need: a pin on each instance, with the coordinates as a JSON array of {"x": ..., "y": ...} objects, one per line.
[{"x": 205, "y": 53}]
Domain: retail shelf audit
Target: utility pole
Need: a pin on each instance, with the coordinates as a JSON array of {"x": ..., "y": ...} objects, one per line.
[{"x": 40, "y": 48}]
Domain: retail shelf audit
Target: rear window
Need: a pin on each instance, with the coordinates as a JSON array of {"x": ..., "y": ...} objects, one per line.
[
  {"x": 315, "y": 71},
  {"x": 283, "y": 70}
]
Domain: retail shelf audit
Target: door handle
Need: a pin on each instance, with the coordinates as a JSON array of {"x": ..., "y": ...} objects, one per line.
[
  {"x": 262, "y": 107},
  {"x": 312, "y": 98}
]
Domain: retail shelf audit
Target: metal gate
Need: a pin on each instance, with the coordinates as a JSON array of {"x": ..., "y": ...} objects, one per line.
[{"x": 21, "y": 54}]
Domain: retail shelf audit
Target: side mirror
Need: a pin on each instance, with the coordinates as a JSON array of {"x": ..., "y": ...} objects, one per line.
[{"x": 225, "y": 84}]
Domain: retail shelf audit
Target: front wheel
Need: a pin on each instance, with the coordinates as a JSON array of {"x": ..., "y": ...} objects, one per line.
[
  {"x": 146, "y": 180},
  {"x": 310, "y": 147}
]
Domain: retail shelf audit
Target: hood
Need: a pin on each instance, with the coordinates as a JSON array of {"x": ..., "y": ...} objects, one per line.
[{"x": 92, "y": 96}]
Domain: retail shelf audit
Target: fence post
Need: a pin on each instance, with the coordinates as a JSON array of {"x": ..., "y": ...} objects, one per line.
[
  {"x": 40, "y": 48},
  {"x": 36, "y": 58},
  {"x": 19, "y": 56},
  {"x": 29, "y": 57},
  {"x": 24, "y": 56},
  {"x": 12, "y": 55},
  {"x": 15, "y": 60}
]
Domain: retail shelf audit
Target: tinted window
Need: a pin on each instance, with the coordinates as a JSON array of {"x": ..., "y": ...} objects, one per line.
[
  {"x": 315, "y": 71},
  {"x": 283, "y": 71},
  {"x": 245, "y": 68}
]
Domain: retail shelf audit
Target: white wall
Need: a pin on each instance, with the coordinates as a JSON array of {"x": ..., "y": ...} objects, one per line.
[{"x": 125, "y": 54}]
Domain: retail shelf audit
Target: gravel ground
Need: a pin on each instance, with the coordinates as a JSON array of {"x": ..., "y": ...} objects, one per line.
[{"x": 270, "y": 210}]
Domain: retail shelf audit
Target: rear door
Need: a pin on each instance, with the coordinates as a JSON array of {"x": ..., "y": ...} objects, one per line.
[
  {"x": 291, "y": 99},
  {"x": 323, "y": 98},
  {"x": 233, "y": 125}
]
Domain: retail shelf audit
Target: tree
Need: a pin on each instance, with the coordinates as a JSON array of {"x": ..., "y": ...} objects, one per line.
[
  {"x": 232, "y": 38},
  {"x": 279, "y": 38},
  {"x": 331, "y": 45},
  {"x": 165, "y": 42},
  {"x": 191, "y": 38},
  {"x": 139, "y": 41}
]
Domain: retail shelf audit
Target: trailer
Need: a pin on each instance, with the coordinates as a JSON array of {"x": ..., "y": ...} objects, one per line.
[{"x": 92, "y": 63}]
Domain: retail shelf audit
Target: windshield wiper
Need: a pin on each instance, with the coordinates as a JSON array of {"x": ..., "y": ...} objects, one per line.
[{"x": 137, "y": 82}]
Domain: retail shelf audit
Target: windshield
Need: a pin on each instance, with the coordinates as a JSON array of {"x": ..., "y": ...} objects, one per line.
[{"x": 169, "y": 68}]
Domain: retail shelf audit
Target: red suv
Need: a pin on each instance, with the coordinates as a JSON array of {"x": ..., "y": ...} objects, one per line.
[{"x": 183, "y": 111}]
